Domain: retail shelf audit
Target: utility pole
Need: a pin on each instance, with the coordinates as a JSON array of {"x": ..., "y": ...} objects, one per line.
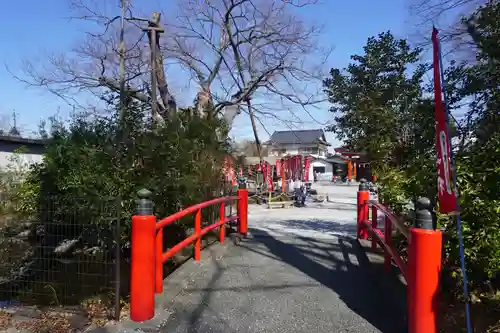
[
  {"x": 153, "y": 30},
  {"x": 122, "y": 62},
  {"x": 121, "y": 135},
  {"x": 14, "y": 131}
]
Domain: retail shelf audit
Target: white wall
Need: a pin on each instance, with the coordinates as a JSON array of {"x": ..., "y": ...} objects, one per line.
[
  {"x": 319, "y": 163},
  {"x": 8, "y": 159},
  {"x": 293, "y": 149}
]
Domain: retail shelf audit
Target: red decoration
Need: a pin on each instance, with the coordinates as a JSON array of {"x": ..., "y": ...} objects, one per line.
[
  {"x": 307, "y": 165},
  {"x": 446, "y": 192}
]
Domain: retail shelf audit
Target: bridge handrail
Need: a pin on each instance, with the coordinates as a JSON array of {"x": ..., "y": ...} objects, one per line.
[
  {"x": 400, "y": 225},
  {"x": 423, "y": 266},
  {"x": 148, "y": 257},
  {"x": 192, "y": 209},
  {"x": 385, "y": 238},
  {"x": 161, "y": 257}
]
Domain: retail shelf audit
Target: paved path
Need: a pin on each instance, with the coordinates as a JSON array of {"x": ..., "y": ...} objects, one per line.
[{"x": 301, "y": 270}]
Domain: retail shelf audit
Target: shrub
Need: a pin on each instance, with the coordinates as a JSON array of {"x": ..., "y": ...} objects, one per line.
[
  {"x": 89, "y": 178},
  {"x": 89, "y": 160}
]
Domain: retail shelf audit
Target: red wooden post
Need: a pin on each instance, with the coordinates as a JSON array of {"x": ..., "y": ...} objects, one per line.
[
  {"x": 363, "y": 196},
  {"x": 142, "y": 284},
  {"x": 159, "y": 261},
  {"x": 424, "y": 270},
  {"x": 197, "y": 231},
  {"x": 243, "y": 211},
  {"x": 222, "y": 217},
  {"x": 388, "y": 241},
  {"x": 374, "y": 226}
]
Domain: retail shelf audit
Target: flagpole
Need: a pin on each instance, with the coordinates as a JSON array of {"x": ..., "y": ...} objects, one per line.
[{"x": 454, "y": 174}]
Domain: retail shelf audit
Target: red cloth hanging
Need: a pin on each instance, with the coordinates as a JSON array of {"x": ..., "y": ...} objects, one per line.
[
  {"x": 270, "y": 182},
  {"x": 263, "y": 167},
  {"x": 285, "y": 167},
  {"x": 297, "y": 167},
  {"x": 307, "y": 165}
]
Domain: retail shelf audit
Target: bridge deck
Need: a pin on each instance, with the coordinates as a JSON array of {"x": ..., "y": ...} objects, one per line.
[{"x": 300, "y": 270}]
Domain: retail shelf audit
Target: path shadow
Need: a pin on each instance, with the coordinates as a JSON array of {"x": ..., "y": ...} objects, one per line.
[{"x": 360, "y": 283}]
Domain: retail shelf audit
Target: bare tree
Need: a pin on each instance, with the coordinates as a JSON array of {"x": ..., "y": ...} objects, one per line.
[
  {"x": 248, "y": 148},
  {"x": 91, "y": 67},
  {"x": 243, "y": 50},
  {"x": 447, "y": 16},
  {"x": 252, "y": 53}
]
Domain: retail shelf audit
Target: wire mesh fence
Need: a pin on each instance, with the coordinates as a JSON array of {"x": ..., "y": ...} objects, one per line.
[{"x": 69, "y": 252}]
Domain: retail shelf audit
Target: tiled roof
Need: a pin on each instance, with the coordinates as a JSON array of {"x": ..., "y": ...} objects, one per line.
[{"x": 299, "y": 136}]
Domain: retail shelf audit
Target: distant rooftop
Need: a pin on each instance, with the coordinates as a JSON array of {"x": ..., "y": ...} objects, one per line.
[
  {"x": 18, "y": 139},
  {"x": 298, "y": 137},
  {"x": 346, "y": 152}
]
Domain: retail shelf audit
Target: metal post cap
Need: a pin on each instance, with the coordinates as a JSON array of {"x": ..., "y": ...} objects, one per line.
[
  {"x": 144, "y": 203},
  {"x": 363, "y": 186},
  {"x": 423, "y": 214},
  {"x": 424, "y": 203},
  {"x": 144, "y": 193}
]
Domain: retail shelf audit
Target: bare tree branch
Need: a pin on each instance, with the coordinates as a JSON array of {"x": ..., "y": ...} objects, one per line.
[
  {"x": 236, "y": 51},
  {"x": 447, "y": 16},
  {"x": 240, "y": 50}
]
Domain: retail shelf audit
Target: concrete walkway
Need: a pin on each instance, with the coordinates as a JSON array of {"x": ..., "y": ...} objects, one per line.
[{"x": 300, "y": 270}]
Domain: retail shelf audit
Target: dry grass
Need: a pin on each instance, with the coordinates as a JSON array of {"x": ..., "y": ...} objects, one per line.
[
  {"x": 5, "y": 319},
  {"x": 46, "y": 323}
]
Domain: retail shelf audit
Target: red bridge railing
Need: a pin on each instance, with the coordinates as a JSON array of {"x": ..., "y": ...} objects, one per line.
[
  {"x": 148, "y": 256},
  {"x": 422, "y": 268}
]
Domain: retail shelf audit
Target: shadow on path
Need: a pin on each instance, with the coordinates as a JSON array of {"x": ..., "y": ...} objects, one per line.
[
  {"x": 361, "y": 284},
  {"x": 250, "y": 288}
]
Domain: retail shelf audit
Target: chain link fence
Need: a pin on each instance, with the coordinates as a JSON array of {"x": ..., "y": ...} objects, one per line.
[{"x": 67, "y": 255}]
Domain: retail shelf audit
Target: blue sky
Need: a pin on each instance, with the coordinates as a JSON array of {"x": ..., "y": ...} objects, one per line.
[{"x": 40, "y": 27}]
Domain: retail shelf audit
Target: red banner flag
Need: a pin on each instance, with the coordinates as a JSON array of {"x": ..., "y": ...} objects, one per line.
[
  {"x": 270, "y": 182},
  {"x": 446, "y": 192},
  {"x": 268, "y": 177},
  {"x": 263, "y": 168},
  {"x": 278, "y": 168},
  {"x": 298, "y": 160},
  {"x": 307, "y": 165},
  {"x": 288, "y": 169}
]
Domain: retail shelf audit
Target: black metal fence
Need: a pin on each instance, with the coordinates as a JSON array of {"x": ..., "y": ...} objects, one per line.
[{"x": 67, "y": 254}]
